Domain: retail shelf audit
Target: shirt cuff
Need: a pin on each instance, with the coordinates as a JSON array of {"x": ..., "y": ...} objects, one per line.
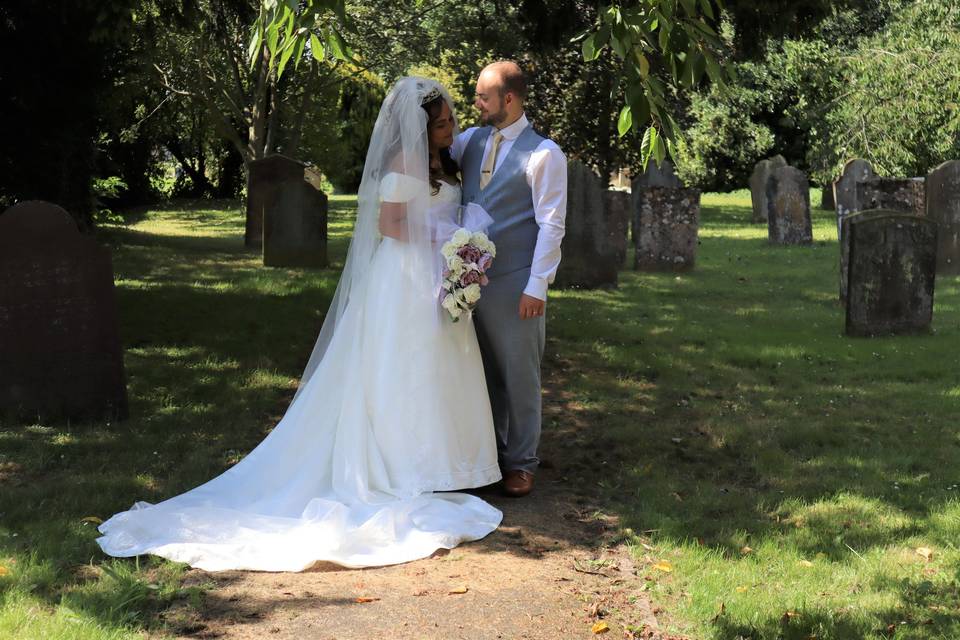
[{"x": 537, "y": 288}]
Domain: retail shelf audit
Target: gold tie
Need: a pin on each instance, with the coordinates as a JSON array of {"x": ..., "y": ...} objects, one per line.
[{"x": 490, "y": 163}]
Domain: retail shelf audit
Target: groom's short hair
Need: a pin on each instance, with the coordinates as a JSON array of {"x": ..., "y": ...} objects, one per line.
[{"x": 512, "y": 79}]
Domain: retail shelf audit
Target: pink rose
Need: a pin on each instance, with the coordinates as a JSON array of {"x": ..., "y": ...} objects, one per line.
[
  {"x": 485, "y": 261},
  {"x": 469, "y": 253},
  {"x": 484, "y": 280},
  {"x": 470, "y": 277}
]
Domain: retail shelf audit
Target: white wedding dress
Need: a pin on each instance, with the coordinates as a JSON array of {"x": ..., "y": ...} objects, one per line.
[{"x": 395, "y": 411}]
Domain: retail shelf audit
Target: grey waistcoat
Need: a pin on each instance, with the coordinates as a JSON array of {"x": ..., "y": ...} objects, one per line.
[{"x": 507, "y": 198}]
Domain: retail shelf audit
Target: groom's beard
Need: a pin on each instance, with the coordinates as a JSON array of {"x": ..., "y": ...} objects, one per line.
[{"x": 495, "y": 119}]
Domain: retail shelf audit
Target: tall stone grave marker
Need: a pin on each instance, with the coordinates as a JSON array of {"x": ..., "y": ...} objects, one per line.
[
  {"x": 845, "y": 243},
  {"x": 292, "y": 211},
  {"x": 589, "y": 258},
  {"x": 892, "y": 267},
  {"x": 617, "y": 206},
  {"x": 788, "y": 207},
  {"x": 758, "y": 185},
  {"x": 894, "y": 194},
  {"x": 943, "y": 207},
  {"x": 60, "y": 354},
  {"x": 666, "y": 223},
  {"x": 845, "y": 188},
  {"x": 826, "y": 198}
]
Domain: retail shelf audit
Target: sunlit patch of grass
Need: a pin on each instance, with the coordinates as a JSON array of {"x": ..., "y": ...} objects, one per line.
[{"x": 781, "y": 467}]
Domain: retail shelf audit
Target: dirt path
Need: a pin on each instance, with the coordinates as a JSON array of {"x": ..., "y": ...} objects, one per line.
[{"x": 552, "y": 571}]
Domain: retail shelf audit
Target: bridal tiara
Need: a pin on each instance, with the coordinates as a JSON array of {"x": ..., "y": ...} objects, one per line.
[{"x": 433, "y": 94}]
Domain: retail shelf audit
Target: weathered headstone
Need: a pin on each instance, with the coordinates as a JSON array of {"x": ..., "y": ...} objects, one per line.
[
  {"x": 758, "y": 185},
  {"x": 589, "y": 258},
  {"x": 274, "y": 181},
  {"x": 292, "y": 211},
  {"x": 895, "y": 194},
  {"x": 893, "y": 260},
  {"x": 617, "y": 205},
  {"x": 845, "y": 243},
  {"x": 826, "y": 198},
  {"x": 60, "y": 354},
  {"x": 845, "y": 188},
  {"x": 943, "y": 207},
  {"x": 788, "y": 207},
  {"x": 666, "y": 223},
  {"x": 654, "y": 176}
]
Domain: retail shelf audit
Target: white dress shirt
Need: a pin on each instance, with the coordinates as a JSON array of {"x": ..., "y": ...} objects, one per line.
[{"x": 546, "y": 173}]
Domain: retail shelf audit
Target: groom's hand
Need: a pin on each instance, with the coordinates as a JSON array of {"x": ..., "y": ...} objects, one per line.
[{"x": 530, "y": 307}]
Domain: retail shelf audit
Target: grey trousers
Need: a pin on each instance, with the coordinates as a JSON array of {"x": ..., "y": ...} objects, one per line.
[{"x": 512, "y": 350}]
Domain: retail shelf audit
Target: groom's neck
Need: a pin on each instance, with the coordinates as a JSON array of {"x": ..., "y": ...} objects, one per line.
[{"x": 509, "y": 120}]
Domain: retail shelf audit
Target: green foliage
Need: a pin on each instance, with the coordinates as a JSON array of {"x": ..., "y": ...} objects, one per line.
[
  {"x": 842, "y": 92},
  {"x": 652, "y": 39},
  {"x": 336, "y": 135},
  {"x": 284, "y": 29},
  {"x": 107, "y": 189},
  {"x": 902, "y": 91}
]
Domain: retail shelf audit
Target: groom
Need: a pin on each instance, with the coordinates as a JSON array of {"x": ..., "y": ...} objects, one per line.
[{"x": 520, "y": 178}]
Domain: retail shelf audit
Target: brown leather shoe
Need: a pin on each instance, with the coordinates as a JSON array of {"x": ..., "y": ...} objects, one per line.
[{"x": 517, "y": 483}]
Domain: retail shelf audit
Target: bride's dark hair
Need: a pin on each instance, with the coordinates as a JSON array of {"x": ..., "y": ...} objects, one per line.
[{"x": 448, "y": 166}]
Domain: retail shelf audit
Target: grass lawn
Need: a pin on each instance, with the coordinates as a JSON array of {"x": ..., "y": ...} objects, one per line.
[{"x": 774, "y": 478}]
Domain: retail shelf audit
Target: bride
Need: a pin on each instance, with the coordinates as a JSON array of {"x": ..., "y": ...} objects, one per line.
[{"x": 392, "y": 406}]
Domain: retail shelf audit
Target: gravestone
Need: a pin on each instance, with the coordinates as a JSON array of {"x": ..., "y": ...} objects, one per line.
[
  {"x": 666, "y": 223},
  {"x": 617, "y": 205},
  {"x": 281, "y": 185},
  {"x": 295, "y": 223},
  {"x": 892, "y": 267},
  {"x": 943, "y": 207},
  {"x": 654, "y": 176},
  {"x": 826, "y": 198},
  {"x": 758, "y": 185},
  {"x": 894, "y": 194},
  {"x": 845, "y": 188},
  {"x": 845, "y": 244},
  {"x": 60, "y": 353},
  {"x": 788, "y": 207},
  {"x": 589, "y": 258}
]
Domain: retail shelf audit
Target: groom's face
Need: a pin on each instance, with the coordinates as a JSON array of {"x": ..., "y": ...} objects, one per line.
[{"x": 489, "y": 100}]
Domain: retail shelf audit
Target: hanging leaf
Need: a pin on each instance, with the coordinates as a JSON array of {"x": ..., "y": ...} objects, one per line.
[
  {"x": 625, "y": 121},
  {"x": 316, "y": 48},
  {"x": 600, "y": 627}
]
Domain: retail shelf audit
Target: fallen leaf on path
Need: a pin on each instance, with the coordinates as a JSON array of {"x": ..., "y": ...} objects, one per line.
[
  {"x": 664, "y": 566},
  {"x": 746, "y": 550},
  {"x": 805, "y": 563},
  {"x": 462, "y": 589},
  {"x": 365, "y": 599},
  {"x": 925, "y": 552},
  {"x": 92, "y": 520},
  {"x": 600, "y": 627}
]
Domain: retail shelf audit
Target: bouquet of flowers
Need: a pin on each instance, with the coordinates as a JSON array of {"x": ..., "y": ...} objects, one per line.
[{"x": 468, "y": 255}]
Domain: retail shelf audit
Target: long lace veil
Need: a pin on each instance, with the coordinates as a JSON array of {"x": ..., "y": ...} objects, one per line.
[{"x": 396, "y": 170}]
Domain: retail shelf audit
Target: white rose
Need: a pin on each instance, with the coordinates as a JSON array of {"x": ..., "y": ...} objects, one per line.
[
  {"x": 461, "y": 237},
  {"x": 455, "y": 264},
  {"x": 449, "y": 303},
  {"x": 471, "y": 293},
  {"x": 449, "y": 249}
]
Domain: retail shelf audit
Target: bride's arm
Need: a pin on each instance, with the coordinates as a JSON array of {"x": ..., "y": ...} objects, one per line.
[{"x": 393, "y": 220}]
